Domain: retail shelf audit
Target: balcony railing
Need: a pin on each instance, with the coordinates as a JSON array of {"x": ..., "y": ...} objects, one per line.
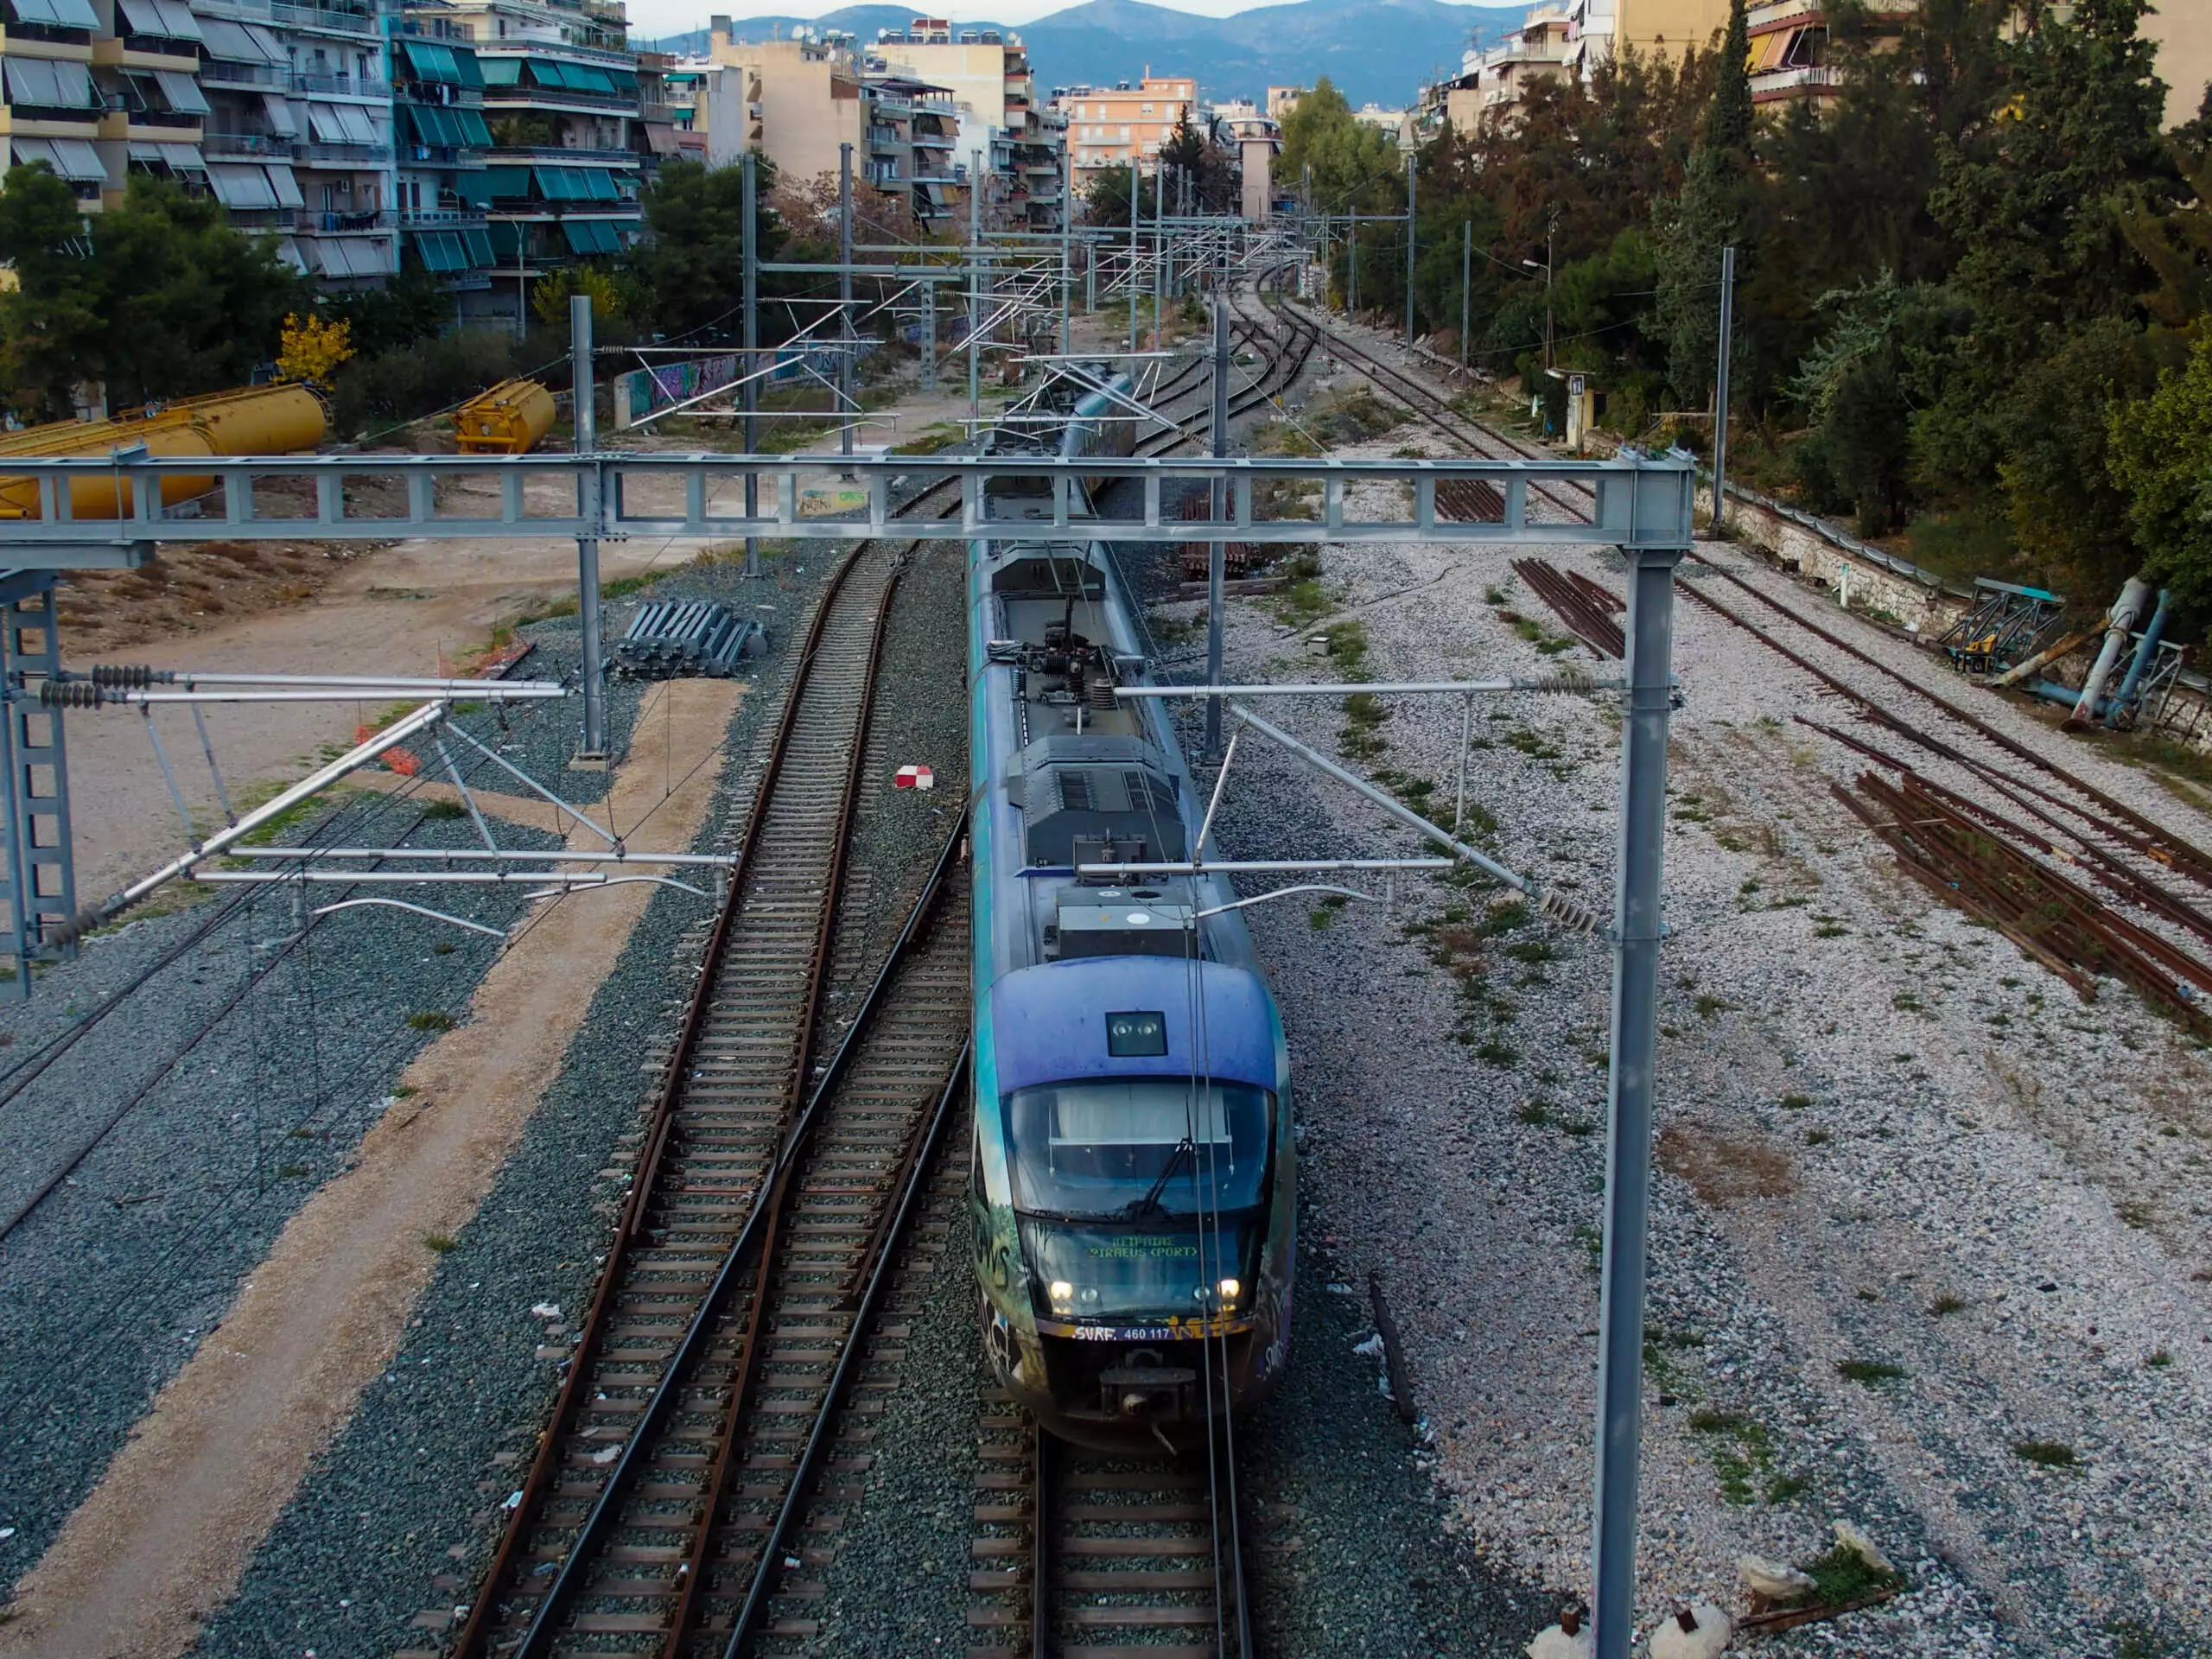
[
  {"x": 439, "y": 155},
  {"x": 245, "y": 74},
  {"x": 563, "y": 153},
  {"x": 263, "y": 146},
  {"x": 346, "y": 154},
  {"x": 524, "y": 96},
  {"x": 443, "y": 218},
  {"x": 340, "y": 224},
  {"x": 336, "y": 80},
  {"x": 353, "y": 23},
  {"x": 1777, "y": 82}
]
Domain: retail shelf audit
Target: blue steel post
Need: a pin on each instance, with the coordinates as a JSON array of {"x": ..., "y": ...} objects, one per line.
[
  {"x": 752, "y": 359},
  {"x": 1136, "y": 194},
  {"x": 1636, "y": 926},
  {"x": 588, "y": 506}
]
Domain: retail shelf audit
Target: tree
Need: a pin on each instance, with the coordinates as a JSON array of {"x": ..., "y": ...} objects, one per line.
[
  {"x": 691, "y": 264},
  {"x": 1713, "y": 212},
  {"x": 1355, "y": 166},
  {"x": 310, "y": 349},
  {"x": 158, "y": 298},
  {"x": 2161, "y": 458}
]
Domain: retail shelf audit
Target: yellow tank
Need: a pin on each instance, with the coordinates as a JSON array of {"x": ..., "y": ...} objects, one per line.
[
  {"x": 255, "y": 421},
  {"x": 508, "y": 419}
]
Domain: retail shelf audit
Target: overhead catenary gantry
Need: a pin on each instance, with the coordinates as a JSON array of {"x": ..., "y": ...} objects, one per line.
[{"x": 1014, "y": 280}]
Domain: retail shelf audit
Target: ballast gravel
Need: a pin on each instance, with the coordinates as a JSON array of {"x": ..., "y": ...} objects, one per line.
[
  {"x": 400, "y": 1518},
  {"x": 1921, "y": 1216}
]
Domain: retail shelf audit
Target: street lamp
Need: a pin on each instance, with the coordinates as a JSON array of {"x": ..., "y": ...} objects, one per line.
[{"x": 1545, "y": 265}]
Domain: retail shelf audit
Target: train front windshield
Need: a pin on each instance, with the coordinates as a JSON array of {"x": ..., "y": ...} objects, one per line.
[
  {"x": 1111, "y": 1179},
  {"x": 1129, "y": 1148}
]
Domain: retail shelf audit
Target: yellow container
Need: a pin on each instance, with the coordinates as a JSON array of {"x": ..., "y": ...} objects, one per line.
[
  {"x": 506, "y": 420},
  {"x": 255, "y": 421}
]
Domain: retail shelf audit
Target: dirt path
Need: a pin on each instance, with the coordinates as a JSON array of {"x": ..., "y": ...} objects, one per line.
[{"x": 165, "y": 1536}]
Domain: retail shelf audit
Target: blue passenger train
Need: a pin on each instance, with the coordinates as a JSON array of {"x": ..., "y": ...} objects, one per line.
[{"x": 1133, "y": 1182}]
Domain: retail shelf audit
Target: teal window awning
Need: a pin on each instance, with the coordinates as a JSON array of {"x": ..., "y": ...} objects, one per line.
[
  {"x": 431, "y": 125},
  {"x": 432, "y": 61},
  {"x": 506, "y": 242},
  {"x": 588, "y": 236},
  {"x": 508, "y": 180},
  {"x": 576, "y": 184},
  {"x": 475, "y": 188},
  {"x": 441, "y": 250},
  {"x": 470, "y": 128},
  {"x": 599, "y": 186},
  {"x": 464, "y": 67},
  {"x": 479, "y": 245},
  {"x": 501, "y": 71}
]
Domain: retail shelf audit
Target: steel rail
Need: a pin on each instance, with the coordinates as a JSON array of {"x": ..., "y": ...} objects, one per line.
[
  {"x": 475, "y": 1634},
  {"x": 689, "y": 1582},
  {"x": 922, "y": 1153}
]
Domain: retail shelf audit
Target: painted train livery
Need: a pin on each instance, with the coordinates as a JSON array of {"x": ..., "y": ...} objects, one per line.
[{"x": 1133, "y": 1180}]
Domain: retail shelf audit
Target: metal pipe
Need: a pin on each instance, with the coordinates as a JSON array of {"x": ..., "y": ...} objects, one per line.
[
  {"x": 396, "y": 684},
  {"x": 752, "y": 389},
  {"x": 359, "y": 755},
  {"x": 976, "y": 288},
  {"x": 534, "y": 787},
  {"x": 1405, "y": 815},
  {"x": 433, "y": 878},
  {"x": 1353, "y": 687},
  {"x": 1285, "y": 892},
  {"x": 311, "y": 855},
  {"x": 2145, "y": 651},
  {"x": 1255, "y": 866},
  {"x": 207, "y": 748},
  {"x": 1213, "y": 804},
  {"x": 248, "y": 694},
  {"x": 1067, "y": 227},
  {"x": 1466, "y": 291},
  {"x": 1637, "y": 926},
  {"x": 588, "y": 507},
  {"x": 2134, "y": 593}
]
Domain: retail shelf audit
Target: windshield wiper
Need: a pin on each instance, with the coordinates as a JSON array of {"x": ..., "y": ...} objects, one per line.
[{"x": 1150, "y": 1203}]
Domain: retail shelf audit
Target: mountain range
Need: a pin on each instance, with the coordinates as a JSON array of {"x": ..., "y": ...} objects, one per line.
[{"x": 1375, "y": 51}]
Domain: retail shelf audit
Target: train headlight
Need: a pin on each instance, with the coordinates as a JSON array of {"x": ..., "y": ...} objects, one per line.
[
  {"x": 1061, "y": 1293},
  {"x": 1230, "y": 1291}
]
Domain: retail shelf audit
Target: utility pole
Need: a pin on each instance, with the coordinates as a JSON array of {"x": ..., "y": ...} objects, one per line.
[
  {"x": 1351, "y": 290},
  {"x": 976, "y": 288},
  {"x": 1218, "y": 552},
  {"x": 1547, "y": 297},
  {"x": 1637, "y": 929},
  {"x": 848, "y": 406},
  {"x": 1067, "y": 245},
  {"x": 1466, "y": 289},
  {"x": 1412, "y": 158},
  {"x": 1136, "y": 196},
  {"x": 1159, "y": 251},
  {"x": 1167, "y": 261},
  {"x": 752, "y": 401},
  {"x": 580, "y": 392},
  {"x": 1721, "y": 391}
]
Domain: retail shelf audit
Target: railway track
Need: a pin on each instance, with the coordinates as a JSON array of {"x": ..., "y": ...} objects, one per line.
[
  {"x": 2059, "y": 814},
  {"x": 1082, "y": 1555},
  {"x": 729, "y": 1313}
]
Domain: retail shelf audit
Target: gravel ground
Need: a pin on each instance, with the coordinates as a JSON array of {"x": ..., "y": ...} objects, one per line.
[
  {"x": 1884, "y": 1144},
  {"x": 403, "y": 1511},
  {"x": 143, "y": 1248},
  {"x": 899, "y": 1582}
]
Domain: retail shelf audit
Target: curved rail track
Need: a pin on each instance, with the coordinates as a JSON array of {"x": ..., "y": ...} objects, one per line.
[
  {"x": 742, "y": 1302},
  {"x": 2126, "y": 852}
]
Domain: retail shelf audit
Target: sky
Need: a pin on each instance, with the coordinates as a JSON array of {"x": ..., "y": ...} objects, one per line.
[{"x": 652, "y": 18}]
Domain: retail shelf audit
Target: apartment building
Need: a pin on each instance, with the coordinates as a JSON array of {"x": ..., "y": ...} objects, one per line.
[
  {"x": 1011, "y": 145},
  {"x": 443, "y": 196},
  {"x": 1113, "y": 126},
  {"x": 799, "y": 100},
  {"x": 562, "y": 103},
  {"x": 1789, "y": 49},
  {"x": 1492, "y": 78},
  {"x": 60, "y": 63}
]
